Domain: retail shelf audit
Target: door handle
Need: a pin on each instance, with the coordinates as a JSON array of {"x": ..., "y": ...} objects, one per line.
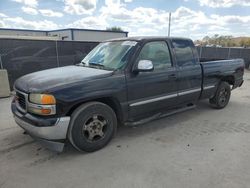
[{"x": 172, "y": 76}]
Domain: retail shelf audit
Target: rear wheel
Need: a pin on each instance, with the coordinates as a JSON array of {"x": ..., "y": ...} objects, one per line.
[
  {"x": 92, "y": 126},
  {"x": 222, "y": 96}
]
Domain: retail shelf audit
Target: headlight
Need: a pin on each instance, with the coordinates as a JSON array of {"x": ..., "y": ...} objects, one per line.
[
  {"x": 42, "y": 104},
  {"x": 42, "y": 99}
]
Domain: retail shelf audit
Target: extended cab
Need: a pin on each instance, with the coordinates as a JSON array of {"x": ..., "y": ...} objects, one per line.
[{"x": 127, "y": 81}]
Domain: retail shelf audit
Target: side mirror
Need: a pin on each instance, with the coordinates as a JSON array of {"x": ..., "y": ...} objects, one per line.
[{"x": 145, "y": 66}]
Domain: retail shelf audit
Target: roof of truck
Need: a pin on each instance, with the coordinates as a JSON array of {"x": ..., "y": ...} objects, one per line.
[{"x": 145, "y": 38}]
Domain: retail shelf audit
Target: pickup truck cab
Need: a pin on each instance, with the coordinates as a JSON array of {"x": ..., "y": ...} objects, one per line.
[{"x": 127, "y": 81}]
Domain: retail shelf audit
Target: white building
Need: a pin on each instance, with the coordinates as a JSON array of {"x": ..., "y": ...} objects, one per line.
[{"x": 70, "y": 34}]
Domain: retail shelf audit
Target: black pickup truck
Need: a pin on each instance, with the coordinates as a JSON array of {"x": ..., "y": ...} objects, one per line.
[{"x": 124, "y": 81}]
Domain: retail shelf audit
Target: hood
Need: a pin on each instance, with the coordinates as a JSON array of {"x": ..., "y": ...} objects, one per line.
[{"x": 44, "y": 81}]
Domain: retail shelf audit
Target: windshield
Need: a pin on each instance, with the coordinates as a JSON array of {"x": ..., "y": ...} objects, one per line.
[{"x": 109, "y": 55}]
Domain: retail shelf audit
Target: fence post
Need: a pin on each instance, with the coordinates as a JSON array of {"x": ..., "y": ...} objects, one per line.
[
  {"x": 1, "y": 62},
  {"x": 229, "y": 52},
  {"x": 200, "y": 51},
  {"x": 57, "y": 58}
]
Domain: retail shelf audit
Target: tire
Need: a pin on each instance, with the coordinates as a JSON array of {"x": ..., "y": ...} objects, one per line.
[
  {"x": 222, "y": 96},
  {"x": 92, "y": 126}
]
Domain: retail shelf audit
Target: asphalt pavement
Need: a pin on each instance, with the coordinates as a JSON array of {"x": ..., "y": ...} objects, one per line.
[{"x": 200, "y": 148}]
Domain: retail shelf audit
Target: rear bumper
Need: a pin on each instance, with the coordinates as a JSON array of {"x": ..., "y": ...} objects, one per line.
[
  {"x": 238, "y": 83},
  {"x": 241, "y": 83},
  {"x": 52, "y": 136}
]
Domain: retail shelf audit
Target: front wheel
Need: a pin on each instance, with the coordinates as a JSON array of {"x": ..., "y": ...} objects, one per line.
[
  {"x": 92, "y": 126},
  {"x": 222, "y": 96}
]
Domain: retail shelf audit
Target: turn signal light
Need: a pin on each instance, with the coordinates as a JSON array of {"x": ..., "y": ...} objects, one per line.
[
  {"x": 42, "y": 98},
  {"x": 46, "y": 111},
  {"x": 48, "y": 99}
]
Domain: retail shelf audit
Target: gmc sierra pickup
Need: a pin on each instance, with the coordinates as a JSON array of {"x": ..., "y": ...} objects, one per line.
[{"x": 127, "y": 81}]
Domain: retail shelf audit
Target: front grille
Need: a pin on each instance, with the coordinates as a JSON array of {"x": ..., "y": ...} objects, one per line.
[{"x": 21, "y": 100}]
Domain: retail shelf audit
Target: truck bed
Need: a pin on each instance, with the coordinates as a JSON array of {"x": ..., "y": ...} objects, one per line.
[{"x": 214, "y": 71}]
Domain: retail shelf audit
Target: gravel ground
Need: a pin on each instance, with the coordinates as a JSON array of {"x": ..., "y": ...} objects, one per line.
[{"x": 202, "y": 147}]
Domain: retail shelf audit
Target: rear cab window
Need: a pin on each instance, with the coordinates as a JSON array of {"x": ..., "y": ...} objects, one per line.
[{"x": 183, "y": 52}]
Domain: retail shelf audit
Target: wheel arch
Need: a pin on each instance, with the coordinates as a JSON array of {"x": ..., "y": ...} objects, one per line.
[
  {"x": 229, "y": 79},
  {"x": 110, "y": 101}
]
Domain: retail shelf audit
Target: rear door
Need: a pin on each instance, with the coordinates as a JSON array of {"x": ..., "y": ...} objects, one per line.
[
  {"x": 188, "y": 70},
  {"x": 149, "y": 92}
]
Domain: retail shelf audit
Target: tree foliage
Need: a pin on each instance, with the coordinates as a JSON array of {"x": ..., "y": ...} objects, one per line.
[
  {"x": 224, "y": 41},
  {"x": 115, "y": 28}
]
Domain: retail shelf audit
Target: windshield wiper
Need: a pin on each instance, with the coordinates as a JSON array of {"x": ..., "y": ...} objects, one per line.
[
  {"x": 97, "y": 64},
  {"x": 94, "y": 65},
  {"x": 82, "y": 64},
  {"x": 79, "y": 64}
]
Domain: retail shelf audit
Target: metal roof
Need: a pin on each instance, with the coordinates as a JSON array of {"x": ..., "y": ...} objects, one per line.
[
  {"x": 74, "y": 29},
  {"x": 141, "y": 38},
  {"x": 29, "y": 37}
]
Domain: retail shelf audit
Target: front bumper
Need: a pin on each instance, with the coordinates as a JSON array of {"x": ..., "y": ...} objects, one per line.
[{"x": 51, "y": 136}]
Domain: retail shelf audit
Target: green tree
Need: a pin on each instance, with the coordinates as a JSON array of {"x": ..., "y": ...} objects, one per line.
[
  {"x": 248, "y": 43},
  {"x": 242, "y": 42},
  {"x": 224, "y": 41},
  {"x": 115, "y": 28}
]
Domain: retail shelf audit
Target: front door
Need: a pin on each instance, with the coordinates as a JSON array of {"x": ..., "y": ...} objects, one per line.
[{"x": 149, "y": 92}]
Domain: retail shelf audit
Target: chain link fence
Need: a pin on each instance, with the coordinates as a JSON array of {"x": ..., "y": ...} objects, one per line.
[
  {"x": 214, "y": 53},
  {"x": 21, "y": 57}
]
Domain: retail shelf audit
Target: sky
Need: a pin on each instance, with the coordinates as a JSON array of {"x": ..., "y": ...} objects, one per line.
[{"x": 190, "y": 18}]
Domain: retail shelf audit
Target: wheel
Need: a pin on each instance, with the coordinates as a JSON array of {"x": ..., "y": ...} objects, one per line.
[
  {"x": 222, "y": 96},
  {"x": 92, "y": 126}
]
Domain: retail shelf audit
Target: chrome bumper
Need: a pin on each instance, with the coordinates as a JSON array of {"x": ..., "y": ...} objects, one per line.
[{"x": 48, "y": 135}]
